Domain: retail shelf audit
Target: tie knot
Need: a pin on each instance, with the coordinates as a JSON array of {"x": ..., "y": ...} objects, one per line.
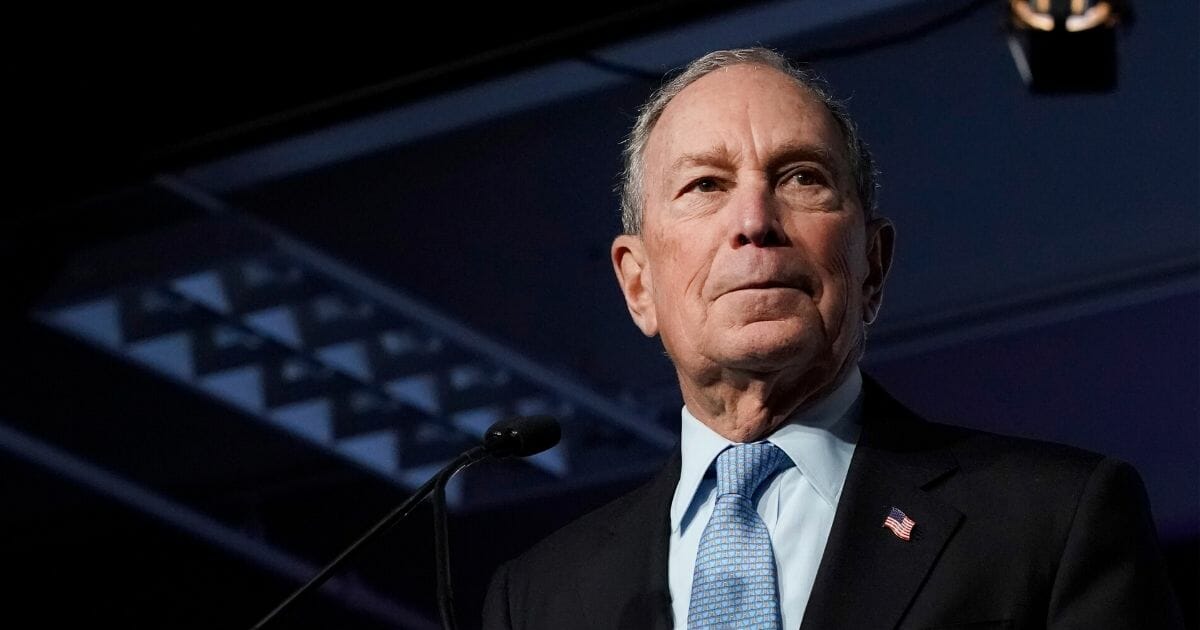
[{"x": 742, "y": 468}]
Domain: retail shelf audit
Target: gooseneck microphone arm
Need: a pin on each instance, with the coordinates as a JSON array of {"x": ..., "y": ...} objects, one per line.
[
  {"x": 395, "y": 516},
  {"x": 512, "y": 437}
]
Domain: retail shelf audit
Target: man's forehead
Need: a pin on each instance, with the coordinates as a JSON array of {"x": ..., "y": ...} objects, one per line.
[
  {"x": 739, "y": 78},
  {"x": 694, "y": 125}
]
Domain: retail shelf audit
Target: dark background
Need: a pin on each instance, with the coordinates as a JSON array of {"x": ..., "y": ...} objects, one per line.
[{"x": 455, "y": 169}]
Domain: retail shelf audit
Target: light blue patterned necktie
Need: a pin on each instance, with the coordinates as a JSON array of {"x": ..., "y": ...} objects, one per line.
[{"x": 734, "y": 584}]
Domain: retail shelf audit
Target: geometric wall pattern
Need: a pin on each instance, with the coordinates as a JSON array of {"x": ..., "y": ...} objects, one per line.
[{"x": 295, "y": 340}]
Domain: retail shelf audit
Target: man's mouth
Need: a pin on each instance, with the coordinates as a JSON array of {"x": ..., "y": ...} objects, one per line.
[
  {"x": 769, "y": 284},
  {"x": 800, "y": 283}
]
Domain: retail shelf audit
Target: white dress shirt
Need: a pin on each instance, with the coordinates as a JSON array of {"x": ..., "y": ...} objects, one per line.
[{"x": 797, "y": 504}]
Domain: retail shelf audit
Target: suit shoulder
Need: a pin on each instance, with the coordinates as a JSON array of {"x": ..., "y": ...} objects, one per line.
[
  {"x": 1025, "y": 478},
  {"x": 979, "y": 450},
  {"x": 899, "y": 428}
]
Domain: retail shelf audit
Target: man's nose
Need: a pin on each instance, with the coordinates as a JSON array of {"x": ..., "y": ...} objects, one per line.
[{"x": 756, "y": 220}]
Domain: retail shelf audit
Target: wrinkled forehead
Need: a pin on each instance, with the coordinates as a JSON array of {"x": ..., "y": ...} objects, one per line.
[{"x": 737, "y": 109}]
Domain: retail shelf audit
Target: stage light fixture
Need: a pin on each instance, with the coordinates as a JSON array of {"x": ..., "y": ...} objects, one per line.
[{"x": 1066, "y": 45}]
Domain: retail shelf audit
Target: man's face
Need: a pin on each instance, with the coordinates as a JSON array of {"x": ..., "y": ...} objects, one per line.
[{"x": 754, "y": 253}]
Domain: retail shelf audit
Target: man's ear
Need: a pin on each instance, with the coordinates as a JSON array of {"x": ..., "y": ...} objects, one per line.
[
  {"x": 633, "y": 274},
  {"x": 881, "y": 242}
]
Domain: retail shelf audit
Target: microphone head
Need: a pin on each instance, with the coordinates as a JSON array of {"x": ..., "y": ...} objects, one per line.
[{"x": 521, "y": 436}]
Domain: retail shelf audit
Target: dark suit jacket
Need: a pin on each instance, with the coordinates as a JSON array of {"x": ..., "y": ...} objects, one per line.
[{"x": 1009, "y": 533}]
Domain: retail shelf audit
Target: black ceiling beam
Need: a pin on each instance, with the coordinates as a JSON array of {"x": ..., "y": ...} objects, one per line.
[{"x": 103, "y": 103}]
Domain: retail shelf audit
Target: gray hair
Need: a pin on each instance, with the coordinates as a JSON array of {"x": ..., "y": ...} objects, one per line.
[{"x": 862, "y": 165}]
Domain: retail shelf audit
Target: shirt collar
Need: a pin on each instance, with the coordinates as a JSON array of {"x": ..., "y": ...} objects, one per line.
[{"x": 819, "y": 440}]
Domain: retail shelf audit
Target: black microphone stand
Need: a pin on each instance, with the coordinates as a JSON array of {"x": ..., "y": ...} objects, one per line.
[
  {"x": 438, "y": 483},
  {"x": 441, "y": 545},
  {"x": 519, "y": 436}
]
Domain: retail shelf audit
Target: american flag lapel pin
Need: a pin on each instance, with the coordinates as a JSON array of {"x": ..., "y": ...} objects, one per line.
[{"x": 900, "y": 524}]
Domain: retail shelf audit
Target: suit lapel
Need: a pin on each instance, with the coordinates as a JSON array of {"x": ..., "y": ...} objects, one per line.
[
  {"x": 630, "y": 586},
  {"x": 868, "y": 576}
]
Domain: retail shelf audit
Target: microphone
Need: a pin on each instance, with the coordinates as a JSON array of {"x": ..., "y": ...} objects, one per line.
[
  {"x": 518, "y": 436},
  {"x": 521, "y": 436}
]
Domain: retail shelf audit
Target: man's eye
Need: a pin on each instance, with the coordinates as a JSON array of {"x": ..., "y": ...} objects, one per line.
[
  {"x": 808, "y": 178},
  {"x": 706, "y": 184}
]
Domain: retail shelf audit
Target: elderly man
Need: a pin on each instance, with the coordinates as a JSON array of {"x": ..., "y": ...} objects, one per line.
[{"x": 802, "y": 494}]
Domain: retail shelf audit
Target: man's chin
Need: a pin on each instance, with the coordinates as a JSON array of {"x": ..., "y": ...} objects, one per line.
[{"x": 771, "y": 355}]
